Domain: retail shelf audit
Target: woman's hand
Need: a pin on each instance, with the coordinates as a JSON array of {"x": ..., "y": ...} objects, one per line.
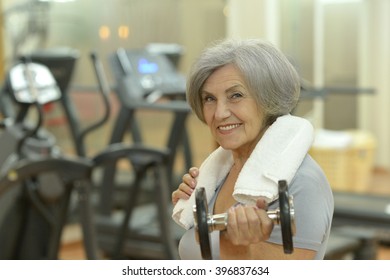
[
  {"x": 187, "y": 186},
  {"x": 249, "y": 224}
]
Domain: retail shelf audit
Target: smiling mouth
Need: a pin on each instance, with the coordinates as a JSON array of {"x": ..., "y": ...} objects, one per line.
[{"x": 228, "y": 127}]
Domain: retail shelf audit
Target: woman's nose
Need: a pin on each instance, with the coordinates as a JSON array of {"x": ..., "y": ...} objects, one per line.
[{"x": 222, "y": 110}]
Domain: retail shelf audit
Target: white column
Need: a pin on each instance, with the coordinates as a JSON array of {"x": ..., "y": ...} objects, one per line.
[
  {"x": 364, "y": 101},
  {"x": 253, "y": 19},
  {"x": 378, "y": 75},
  {"x": 318, "y": 62},
  {"x": 272, "y": 20}
]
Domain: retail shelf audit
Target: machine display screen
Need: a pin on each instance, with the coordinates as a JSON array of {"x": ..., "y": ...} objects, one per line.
[{"x": 147, "y": 67}]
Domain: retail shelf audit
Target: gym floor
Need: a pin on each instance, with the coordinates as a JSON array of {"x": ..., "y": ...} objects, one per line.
[{"x": 154, "y": 126}]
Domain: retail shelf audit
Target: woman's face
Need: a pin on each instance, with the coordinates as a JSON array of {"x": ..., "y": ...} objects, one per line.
[{"x": 230, "y": 110}]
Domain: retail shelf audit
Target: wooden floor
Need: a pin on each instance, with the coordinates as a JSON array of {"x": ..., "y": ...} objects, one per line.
[{"x": 154, "y": 128}]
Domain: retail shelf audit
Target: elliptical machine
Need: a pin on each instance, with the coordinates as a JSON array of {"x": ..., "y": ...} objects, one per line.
[
  {"x": 30, "y": 85},
  {"x": 33, "y": 220},
  {"x": 36, "y": 181}
]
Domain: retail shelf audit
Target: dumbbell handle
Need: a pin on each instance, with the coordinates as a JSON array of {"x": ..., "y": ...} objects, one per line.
[{"x": 220, "y": 221}]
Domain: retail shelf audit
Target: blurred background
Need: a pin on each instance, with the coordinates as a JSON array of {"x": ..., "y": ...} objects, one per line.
[{"x": 341, "y": 49}]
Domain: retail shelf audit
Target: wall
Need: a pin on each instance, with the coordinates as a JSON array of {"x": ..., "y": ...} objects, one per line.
[
  {"x": 356, "y": 43},
  {"x": 190, "y": 23}
]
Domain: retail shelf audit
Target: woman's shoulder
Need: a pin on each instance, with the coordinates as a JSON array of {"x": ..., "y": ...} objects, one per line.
[
  {"x": 310, "y": 170},
  {"x": 310, "y": 179}
]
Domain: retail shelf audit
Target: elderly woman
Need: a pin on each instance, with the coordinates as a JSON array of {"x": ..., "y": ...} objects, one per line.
[{"x": 245, "y": 90}]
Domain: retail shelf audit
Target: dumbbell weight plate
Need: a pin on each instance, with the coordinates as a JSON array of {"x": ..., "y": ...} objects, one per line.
[
  {"x": 202, "y": 223},
  {"x": 285, "y": 218}
]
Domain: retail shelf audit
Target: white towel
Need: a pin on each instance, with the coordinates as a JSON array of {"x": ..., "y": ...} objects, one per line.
[{"x": 277, "y": 156}]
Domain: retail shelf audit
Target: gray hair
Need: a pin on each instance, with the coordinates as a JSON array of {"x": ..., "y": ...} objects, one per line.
[{"x": 272, "y": 79}]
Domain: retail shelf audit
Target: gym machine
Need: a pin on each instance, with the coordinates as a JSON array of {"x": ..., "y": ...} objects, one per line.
[
  {"x": 142, "y": 78},
  {"x": 138, "y": 230},
  {"x": 154, "y": 241},
  {"x": 61, "y": 62},
  {"x": 36, "y": 181},
  {"x": 92, "y": 223},
  {"x": 206, "y": 223},
  {"x": 362, "y": 217}
]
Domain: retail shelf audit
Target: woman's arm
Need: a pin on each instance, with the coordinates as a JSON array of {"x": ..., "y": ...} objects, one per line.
[{"x": 247, "y": 233}]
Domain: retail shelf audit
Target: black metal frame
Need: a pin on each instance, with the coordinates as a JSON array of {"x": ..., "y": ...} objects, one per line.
[{"x": 74, "y": 174}]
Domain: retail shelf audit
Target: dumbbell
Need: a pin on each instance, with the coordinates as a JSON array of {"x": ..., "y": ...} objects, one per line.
[{"x": 205, "y": 223}]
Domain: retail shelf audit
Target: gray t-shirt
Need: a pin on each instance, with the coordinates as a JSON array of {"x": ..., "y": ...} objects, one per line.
[{"x": 313, "y": 206}]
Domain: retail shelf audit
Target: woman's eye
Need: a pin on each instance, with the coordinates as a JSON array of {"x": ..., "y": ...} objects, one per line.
[
  {"x": 236, "y": 95},
  {"x": 208, "y": 99}
]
